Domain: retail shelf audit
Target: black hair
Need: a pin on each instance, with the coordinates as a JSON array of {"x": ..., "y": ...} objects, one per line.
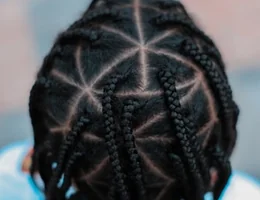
[{"x": 133, "y": 102}]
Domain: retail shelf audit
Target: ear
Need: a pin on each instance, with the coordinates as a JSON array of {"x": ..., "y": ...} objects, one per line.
[{"x": 27, "y": 161}]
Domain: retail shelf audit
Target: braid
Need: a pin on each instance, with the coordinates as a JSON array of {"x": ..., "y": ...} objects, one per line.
[
  {"x": 180, "y": 174},
  {"x": 68, "y": 143},
  {"x": 115, "y": 37},
  {"x": 193, "y": 51},
  {"x": 57, "y": 50},
  {"x": 220, "y": 85},
  {"x": 173, "y": 103},
  {"x": 40, "y": 158},
  {"x": 112, "y": 190},
  {"x": 185, "y": 21},
  {"x": 221, "y": 162},
  {"x": 129, "y": 108},
  {"x": 90, "y": 35},
  {"x": 223, "y": 92},
  {"x": 202, "y": 161},
  {"x": 77, "y": 153},
  {"x": 215, "y": 54},
  {"x": 77, "y": 30},
  {"x": 190, "y": 49},
  {"x": 110, "y": 127}
]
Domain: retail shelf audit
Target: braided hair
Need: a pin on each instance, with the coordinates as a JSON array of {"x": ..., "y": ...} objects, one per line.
[{"x": 133, "y": 103}]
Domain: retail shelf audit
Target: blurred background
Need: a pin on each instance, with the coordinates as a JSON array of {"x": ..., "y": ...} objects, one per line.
[{"x": 29, "y": 27}]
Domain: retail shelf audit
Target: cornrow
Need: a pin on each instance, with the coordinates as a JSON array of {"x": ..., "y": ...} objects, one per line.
[
  {"x": 68, "y": 143},
  {"x": 221, "y": 87},
  {"x": 129, "y": 109},
  {"x": 110, "y": 128},
  {"x": 91, "y": 35},
  {"x": 134, "y": 149},
  {"x": 186, "y": 22},
  {"x": 192, "y": 50},
  {"x": 56, "y": 51},
  {"x": 167, "y": 81}
]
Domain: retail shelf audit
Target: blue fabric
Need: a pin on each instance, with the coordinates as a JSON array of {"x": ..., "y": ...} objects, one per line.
[{"x": 15, "y": 185}]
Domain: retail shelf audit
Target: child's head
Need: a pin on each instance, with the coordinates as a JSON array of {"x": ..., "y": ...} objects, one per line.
[{"x": 133, "y": 102}]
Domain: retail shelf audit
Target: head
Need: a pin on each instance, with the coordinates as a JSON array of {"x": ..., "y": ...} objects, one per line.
[{"x": 133, "y": 102}]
